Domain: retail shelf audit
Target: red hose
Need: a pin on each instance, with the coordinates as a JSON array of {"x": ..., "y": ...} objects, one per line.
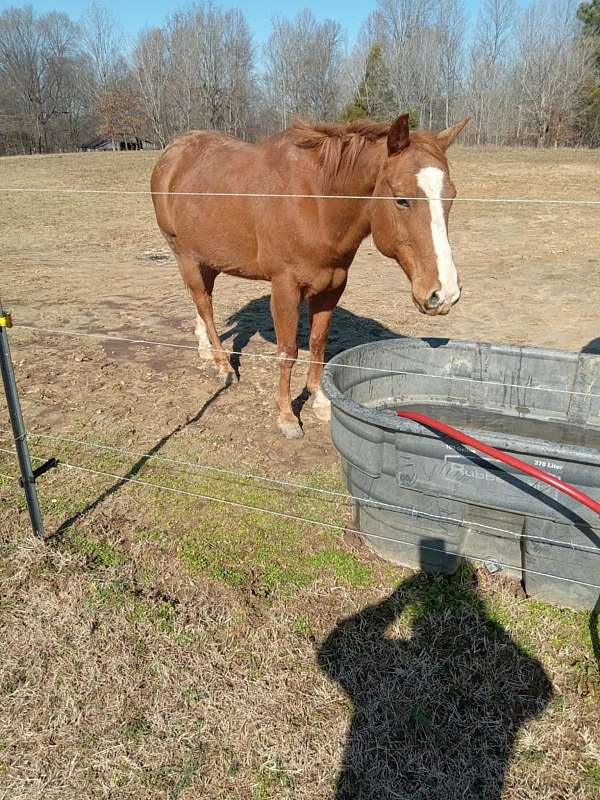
[{"x": 463, "y": 438}]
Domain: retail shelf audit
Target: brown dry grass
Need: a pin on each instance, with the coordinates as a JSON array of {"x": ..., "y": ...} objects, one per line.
[{"x": 165, "y": 648}]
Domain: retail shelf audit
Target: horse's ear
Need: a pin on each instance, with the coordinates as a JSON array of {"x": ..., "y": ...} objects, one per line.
[
  {"x": 445, "y": 138},
  {"x": 398, "y": 137}
]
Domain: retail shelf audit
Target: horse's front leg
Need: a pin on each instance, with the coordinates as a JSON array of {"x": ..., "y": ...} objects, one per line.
[
  {"x": 320, "y": 309},
  {"x": 285, "y": 300}
]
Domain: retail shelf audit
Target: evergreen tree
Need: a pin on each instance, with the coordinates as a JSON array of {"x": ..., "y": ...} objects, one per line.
[
  {"x": 588, "y": 14},
  {"x": 374, "y": 97}
]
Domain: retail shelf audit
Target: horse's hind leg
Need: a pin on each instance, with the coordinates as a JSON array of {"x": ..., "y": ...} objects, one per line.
[{"x": 200, "y": 280}]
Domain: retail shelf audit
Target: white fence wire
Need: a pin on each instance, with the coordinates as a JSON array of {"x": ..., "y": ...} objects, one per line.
[
  {"x": 277, "y": 482},
  {"x": 190, "y": 466},
  {"x": 279, "y": 359},
  {"x": 314, "y": 522},
  {"x": 289, "y": 196}
]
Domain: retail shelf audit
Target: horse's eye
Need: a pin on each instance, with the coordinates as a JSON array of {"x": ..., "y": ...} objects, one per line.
[{"x": 403, "y": 202}]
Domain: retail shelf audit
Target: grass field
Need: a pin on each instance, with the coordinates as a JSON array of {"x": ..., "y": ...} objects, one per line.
[{"x": 163, "y": 646}]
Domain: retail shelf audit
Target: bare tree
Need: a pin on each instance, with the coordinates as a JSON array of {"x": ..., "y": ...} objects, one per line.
[
  {"x": 239, "y": 78},
  {"x": 102, "y": 44},
  {"x": 197, "y": 71},
  {"x": 406, "y": 31},
  {"x": 38, "y": 56},
  {"x": 490, "y": 60},
  {"x": 525, "y": 73},
  {"x": 152, "y": 69},
  {"x": 450, "y": 31},
  {"x": 551, "y": 66},
  {"x": 303, "y": 59}
]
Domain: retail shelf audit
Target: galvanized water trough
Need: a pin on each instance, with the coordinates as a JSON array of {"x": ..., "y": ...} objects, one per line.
[{"x": 424, "y": 501}]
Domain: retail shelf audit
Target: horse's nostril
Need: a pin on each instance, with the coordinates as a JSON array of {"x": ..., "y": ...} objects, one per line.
[{"x": 433, "y": 301}]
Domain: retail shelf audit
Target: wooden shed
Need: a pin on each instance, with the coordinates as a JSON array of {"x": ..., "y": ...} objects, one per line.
[{"x": 122, "y": 142}]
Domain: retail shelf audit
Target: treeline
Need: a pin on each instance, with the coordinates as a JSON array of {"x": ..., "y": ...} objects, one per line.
[{"x": 527, "y": 75}]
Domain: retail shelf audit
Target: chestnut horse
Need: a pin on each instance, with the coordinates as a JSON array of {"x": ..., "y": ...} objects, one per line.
[{"x": 304, "y": 245}]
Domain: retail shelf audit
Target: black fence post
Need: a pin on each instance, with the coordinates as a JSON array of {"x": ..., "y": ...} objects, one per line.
[{"x": 18, "y": 428}]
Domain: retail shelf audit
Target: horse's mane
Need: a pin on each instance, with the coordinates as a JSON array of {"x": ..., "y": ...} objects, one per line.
[{"x": 340, "y": 144}]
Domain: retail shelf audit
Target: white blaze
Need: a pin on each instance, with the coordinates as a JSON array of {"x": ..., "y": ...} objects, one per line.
[{"x": 431, "y": 181}]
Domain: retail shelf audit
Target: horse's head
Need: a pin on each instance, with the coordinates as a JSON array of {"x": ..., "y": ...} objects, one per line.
[{"x": 415, "y": 231}]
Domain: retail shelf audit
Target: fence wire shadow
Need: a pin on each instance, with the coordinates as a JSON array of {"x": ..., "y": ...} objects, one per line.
[
  {"x": 135, "y": 468},
  {"x": 436, "y": 714}
]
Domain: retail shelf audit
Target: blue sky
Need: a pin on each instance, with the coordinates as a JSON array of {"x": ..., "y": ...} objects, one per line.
[{"x": 137, "y": 14}]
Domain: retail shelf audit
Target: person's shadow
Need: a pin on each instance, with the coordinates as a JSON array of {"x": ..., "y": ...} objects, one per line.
[{"x": 435, "y": 714}]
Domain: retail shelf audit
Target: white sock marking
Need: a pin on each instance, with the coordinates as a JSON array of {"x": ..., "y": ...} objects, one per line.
[
  {"x": 204, "y": 345},
  {"x": 431, "y": 181},
  {"x": 321, "y": 406}
]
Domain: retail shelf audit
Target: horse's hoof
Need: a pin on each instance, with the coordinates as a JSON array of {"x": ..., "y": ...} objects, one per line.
[
  {"x": 291, "y": 430},
  {"x": 321, "y": 407},
  {"x": 227, "y": 378}
]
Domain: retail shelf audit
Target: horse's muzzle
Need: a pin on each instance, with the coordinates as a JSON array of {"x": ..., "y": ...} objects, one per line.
[{"x": 436, "y": 305}]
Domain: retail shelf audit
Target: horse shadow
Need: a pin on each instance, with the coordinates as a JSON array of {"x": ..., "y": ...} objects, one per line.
[
  {"x": 593, "y": 347},
  {"x": 346, "y": 330},
  {"x": 435, "y": 714}
]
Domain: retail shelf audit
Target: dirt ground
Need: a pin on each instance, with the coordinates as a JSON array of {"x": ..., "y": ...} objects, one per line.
[
  {"x": 163, "y": 648},
  {"x": 97, "y": 263}
]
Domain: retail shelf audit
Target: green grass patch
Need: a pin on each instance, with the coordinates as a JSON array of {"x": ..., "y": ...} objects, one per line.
[
  {"x": 242, "y": 548},
  {"x": 111, "y": 593},
  {"x": 163, "y": 616},
  {"x": 437, "y": 594},
  {"x": 271, "y": 780},
  {"x": 533, "y": 755},
  {"x": 525, "y": 618},
  {"x": 99, "y": 553},
  {"x": 271, "y": 557},
  {"x": 301, "y": 627},
  {"x": 344, "y": 566},
  {"x": 187, "y": 774},
  {"x": 237, "y": 547},
  {"x": 136, "y": 729},
  {"x": 591, "y": 775}
]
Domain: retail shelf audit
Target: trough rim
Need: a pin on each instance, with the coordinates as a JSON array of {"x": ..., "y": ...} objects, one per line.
[{"x": 519, "y": 444}]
